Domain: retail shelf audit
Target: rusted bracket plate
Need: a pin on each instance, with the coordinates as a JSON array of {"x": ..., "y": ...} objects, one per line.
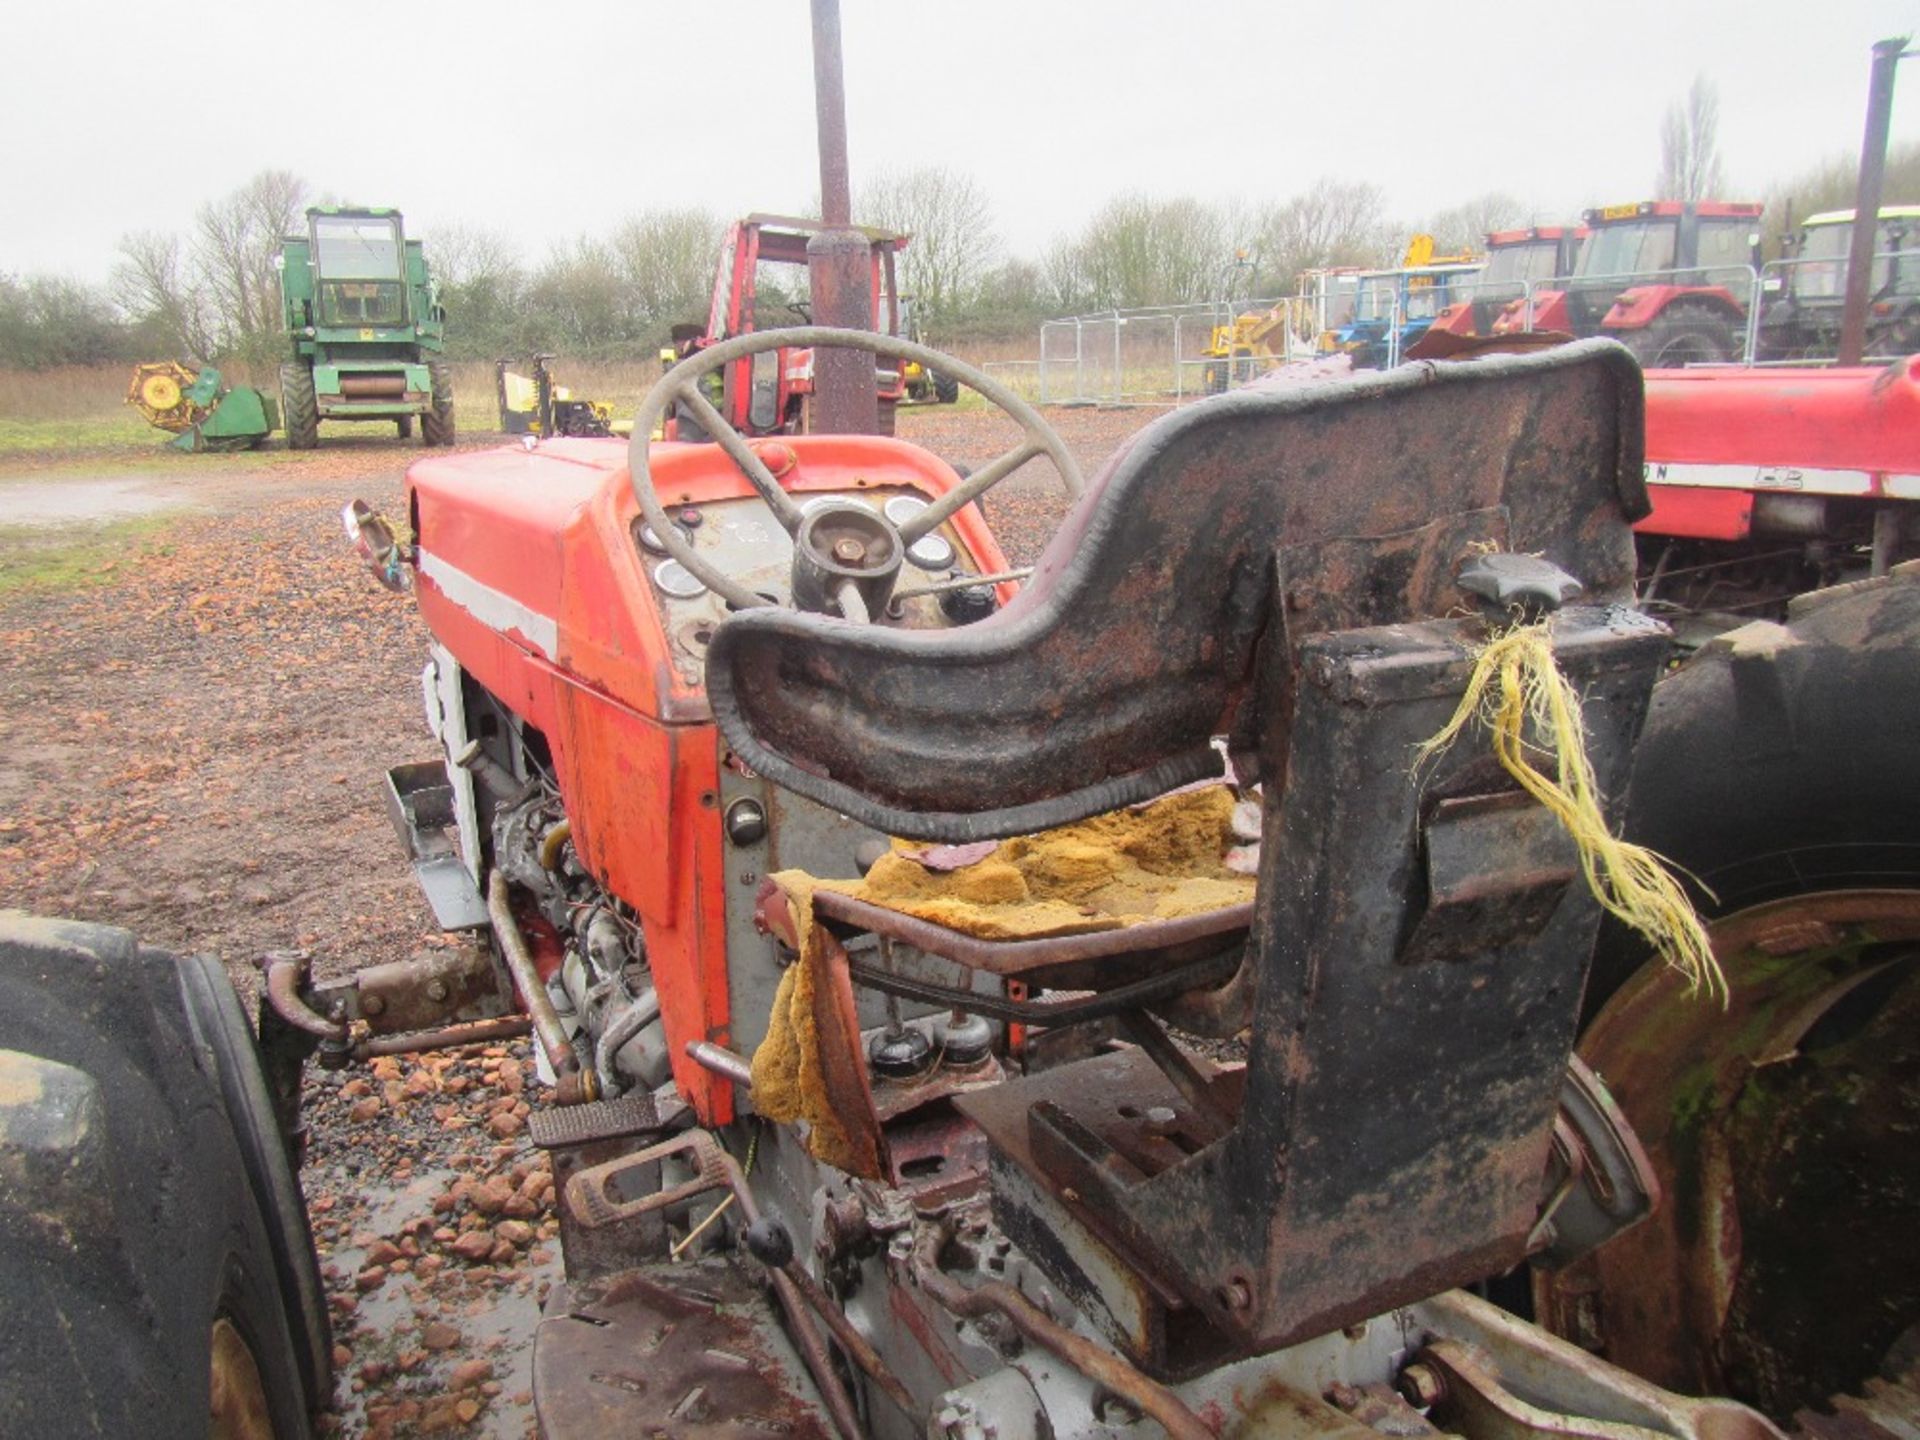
[
  {"x": 691, "y": 1350},
  {"x": 1104, "y": 682},
  {"x": 1396, "y": 1116}
]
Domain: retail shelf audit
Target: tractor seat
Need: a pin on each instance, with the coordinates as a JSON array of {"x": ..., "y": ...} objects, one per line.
[{"x": 1106, "y": 679}]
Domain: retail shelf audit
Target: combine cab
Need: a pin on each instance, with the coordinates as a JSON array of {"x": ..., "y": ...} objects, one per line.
[
  {"x": 1668, "y": 279},
  {"x": 1800, "y": 317}
]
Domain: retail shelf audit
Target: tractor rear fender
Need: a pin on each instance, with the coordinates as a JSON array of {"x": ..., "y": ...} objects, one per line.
[
  {"x": 1549, "y": 313},
  {"x": 1643, "y": 304}
]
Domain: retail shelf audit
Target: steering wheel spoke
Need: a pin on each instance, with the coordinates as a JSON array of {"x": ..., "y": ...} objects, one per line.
[
  {"x": 734, "y": 444},
  {"x": 969, "y": 490}
]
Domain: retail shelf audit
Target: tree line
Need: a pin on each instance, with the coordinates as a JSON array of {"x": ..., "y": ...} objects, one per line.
[{"x": 212, "y": 292}]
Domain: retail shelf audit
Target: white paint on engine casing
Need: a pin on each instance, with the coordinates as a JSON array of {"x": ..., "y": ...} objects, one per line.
[{"x": 493, "y": 608}]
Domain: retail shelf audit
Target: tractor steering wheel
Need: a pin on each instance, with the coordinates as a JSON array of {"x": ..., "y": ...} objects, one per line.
[{"x": 845, "y": 555}]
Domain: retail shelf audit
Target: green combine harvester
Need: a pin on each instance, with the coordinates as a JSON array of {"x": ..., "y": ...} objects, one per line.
[{"x": 366, "y": 326}]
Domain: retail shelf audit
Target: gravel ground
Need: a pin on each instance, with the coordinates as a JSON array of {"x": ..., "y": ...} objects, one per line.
[{"x": 192, "y": 750}]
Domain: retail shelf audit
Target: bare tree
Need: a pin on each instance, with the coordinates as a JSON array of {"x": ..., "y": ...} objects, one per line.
[
  {"x": 1690, "y": 145},
  {"x": 1831, "y": 185},
  {"x": 954, "y": 245},
  {"x": 236, "y": 242},
  {"x": 666, "y": 259},
  {"x": 582, "y": 301},
  {"x": 1332, "y": 222},
  {"x": 1140, "y": 251},
  {"x": 483, "y": 285},
  {"x": 1464, "y": 227},
  {"x": 152, "y": 283},
  {"x": 464, "y": 254}
]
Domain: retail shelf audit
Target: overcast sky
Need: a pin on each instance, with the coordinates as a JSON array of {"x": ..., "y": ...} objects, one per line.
[{"x": 547, "y": 121}]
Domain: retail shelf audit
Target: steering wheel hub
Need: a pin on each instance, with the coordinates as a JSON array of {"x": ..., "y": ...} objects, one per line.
[{"x": 841, "y": 544}]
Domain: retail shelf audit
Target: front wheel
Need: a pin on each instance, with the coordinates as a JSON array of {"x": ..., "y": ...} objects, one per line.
[
  {"x": 405, "y": 426},
  {"x": 145, "y": 1286},
  {"x": 299, "y": 408},
  {"x": 436, "y": 425},
  {"x": 1777, "y": 767},
  {"x": 1683, "y": 335}
]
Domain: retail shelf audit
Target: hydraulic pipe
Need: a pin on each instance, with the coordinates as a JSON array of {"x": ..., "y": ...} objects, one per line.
[
  {"x": 721, "y": 1061},
  {"x": 1866, "y": 201},
  {"x": 283, "y": 993},
  {"x": 480, "y": 1032},
  {"x": 547, "y": 1027},
  {"x": 1096, "y": 1362}
]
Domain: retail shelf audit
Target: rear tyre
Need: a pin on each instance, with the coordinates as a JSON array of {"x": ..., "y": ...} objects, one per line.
[
  {"x": 946, "y": 389},
  {"x": 436, "y": 424},
  {"x": 299, "y": 410},
  {"x": 1777, "y": 767},
  {"x": 128, "y": 1210},
  {"x": 405, "y": 426},
  {"x": 1213, "y": 379},
  {"x": 1683, "y": 335}
]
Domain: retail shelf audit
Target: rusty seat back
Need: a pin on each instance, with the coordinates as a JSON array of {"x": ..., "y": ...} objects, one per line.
[{"x": 1133, "y": 645}]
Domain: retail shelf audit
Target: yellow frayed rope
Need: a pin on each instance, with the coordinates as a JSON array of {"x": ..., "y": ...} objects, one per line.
[{"x": 1516, "y": 686}]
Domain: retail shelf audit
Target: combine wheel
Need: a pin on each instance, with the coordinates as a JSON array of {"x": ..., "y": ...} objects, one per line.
[
  {"x": 155, "y": 1272},
  {"x": 405, "y": 426},
  {"x": 436, "y": 425},
  {"x": 299, "y": 410},
  {"x": 1683, "y": 335},
  {"x": 1777, "y": 766}
]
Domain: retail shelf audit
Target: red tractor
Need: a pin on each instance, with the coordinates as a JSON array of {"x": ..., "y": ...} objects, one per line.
[
  {"x": 739, "y": 742},
  {"x": 1061, "y": 1005},
  {"x": 1515, "y": 259},
  {"x": 771, "y": 393},
  {"x": 1767, "y": 483},
  {"x": 1669, "y": 280}
]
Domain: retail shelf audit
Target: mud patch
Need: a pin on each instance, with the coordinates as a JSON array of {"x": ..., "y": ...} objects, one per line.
[{"x": 38, "y": 503}]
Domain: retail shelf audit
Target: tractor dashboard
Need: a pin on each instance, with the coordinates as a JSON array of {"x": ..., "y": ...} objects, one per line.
[{"x": 740, "y": 536}]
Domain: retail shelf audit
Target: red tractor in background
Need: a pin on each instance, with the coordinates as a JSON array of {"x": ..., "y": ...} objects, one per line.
[
  {"x": 1515, "y": 259},
  {"x": 771, "y": 393},
  {"x": 1767, "y": 483},
  {"x": 1666, "y": 278}
]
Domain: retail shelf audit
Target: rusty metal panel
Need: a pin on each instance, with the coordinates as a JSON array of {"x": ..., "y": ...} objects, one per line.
[
  {"x": 694, "y": 1351},
  {"x": 1105, "y": 680}
]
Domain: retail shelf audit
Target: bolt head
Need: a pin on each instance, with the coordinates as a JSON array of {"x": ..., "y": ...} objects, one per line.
[
  {"x": 373, "y": 1004},
  {"x": 436, "y": 990},
  {"x": 1422, "y": 1386}
]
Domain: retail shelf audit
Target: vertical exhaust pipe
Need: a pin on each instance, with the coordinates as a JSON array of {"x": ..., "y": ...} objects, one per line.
[
  {"x": 845, "y": 398},
  {"x": 1887, "y": 56}
]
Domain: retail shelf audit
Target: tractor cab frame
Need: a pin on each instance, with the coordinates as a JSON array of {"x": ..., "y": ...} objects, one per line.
[{"x": 772, "y": 392}]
